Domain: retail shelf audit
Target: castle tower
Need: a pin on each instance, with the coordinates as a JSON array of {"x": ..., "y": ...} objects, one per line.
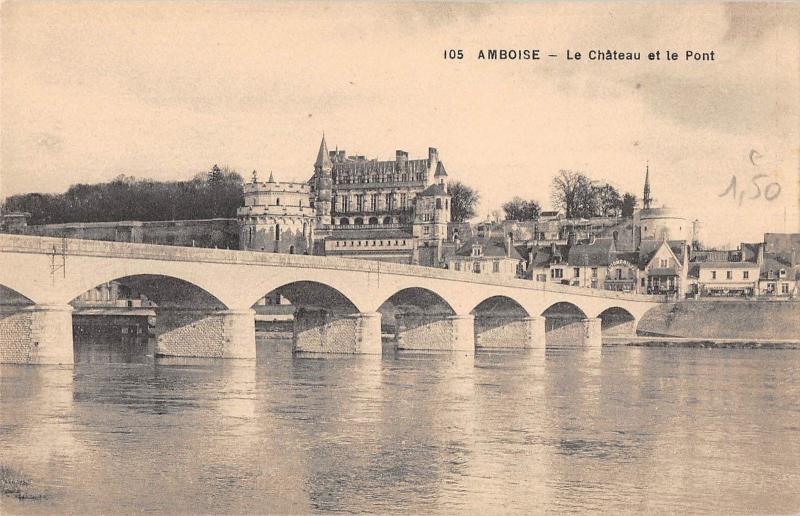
[
  {"x": 323, "y": 183},
  {"x": 440, "y": 177},
  {"x": 646, "y": 199}
]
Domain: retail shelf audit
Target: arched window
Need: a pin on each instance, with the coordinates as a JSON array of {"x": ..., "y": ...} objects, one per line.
[
  {"x": 373, "y": 220},
  {"x": 359, "y": 221},
  {"x": 387, "y": 220},
  {"x": 344, "y": 221},
  {"x": 277, "y": 201},
  {"x": 291, "y": 249}
]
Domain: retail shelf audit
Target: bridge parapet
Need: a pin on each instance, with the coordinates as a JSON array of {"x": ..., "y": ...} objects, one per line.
[{"x": 75, "y": 247}]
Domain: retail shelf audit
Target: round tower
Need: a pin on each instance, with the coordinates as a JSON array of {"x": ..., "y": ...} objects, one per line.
[{"x": 323, "y": 184}]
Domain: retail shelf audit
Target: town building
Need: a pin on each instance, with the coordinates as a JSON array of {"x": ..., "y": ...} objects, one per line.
[
  {"x": 496, "y": 256},
  {"x": 725, "y": 279},
  {"x": 663, "y": 267}
]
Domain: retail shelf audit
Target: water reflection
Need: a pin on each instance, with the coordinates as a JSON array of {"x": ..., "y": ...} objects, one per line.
[{"x": 629, "y": 429}]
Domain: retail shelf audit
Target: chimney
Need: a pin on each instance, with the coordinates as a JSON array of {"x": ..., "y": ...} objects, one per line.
[
  {"x": 509, "y": 243},
  {"x": 571, "y": 238},
  {"x": 400, "y": 156},
  {"x": 552, "y": 248},
  {"x": 760, "y": 259},
  {"x": 433, "y": 155}
]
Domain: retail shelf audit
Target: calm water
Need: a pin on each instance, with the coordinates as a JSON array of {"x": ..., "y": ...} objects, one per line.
[{"x": 628, "y": 430}]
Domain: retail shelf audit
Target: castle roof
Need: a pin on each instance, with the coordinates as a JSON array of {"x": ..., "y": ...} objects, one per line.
[
  {"x": 433, "y": 190},
  {"x": 323, "y": 160},
  {"x": 440, "y": 171},
  {"x": 369, "y": 234}
]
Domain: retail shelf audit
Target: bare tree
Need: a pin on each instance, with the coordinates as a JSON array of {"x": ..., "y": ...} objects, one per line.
[{"x": 572, "y": 192}]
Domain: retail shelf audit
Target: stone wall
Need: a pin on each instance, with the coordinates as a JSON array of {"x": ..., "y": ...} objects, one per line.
[
  {"x": 724, "y": 319},
  {"x": 16, "y": 341},
  {"x": 36, "y": 335},
  {"x": 435, "y": 332},
  {"x": 509, "y": 332},
  {"x": 200, "y": 333},
  {"x": 320, "y": 331},
  {"x": 212, "y": 233},
  {"x": 572, "y": 333}
]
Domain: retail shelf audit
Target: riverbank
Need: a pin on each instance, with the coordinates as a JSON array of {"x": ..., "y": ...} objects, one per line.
[
  {"x": 695, "y": 342},
  {"x": 735, "y": 320}
]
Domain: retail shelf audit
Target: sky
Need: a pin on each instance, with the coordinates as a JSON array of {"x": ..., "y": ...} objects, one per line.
[{"x": 164, "y": 90}]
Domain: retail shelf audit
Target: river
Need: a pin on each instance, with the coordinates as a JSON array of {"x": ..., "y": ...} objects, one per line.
[{"x": 630, "y": 429}]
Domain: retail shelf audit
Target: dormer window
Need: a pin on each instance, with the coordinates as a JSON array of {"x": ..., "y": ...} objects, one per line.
[
  {"x": 782, "y": 273},
  {"x": 477, "y": 250}
]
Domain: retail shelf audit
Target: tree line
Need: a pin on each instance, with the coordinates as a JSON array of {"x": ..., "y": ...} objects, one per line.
[
  {"x": 214, "y": 194},
  {"x": 218, "y": 194},
  {"x": 577, "y": 196}
]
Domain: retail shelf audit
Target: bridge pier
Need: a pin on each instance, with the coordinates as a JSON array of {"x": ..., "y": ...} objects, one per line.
[
  {"x": 509, "y": 332},
  {"x": 436, "y": 332},
  {"x": 36, "y": 334},
  {"x": 321, "y": 331},
  {"x": 189, "y": 332},
  {"x": 571, "y": 333}
]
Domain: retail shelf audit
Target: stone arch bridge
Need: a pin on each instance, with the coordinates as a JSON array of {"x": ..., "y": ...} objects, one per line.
[{"x": 204, "y": 301}]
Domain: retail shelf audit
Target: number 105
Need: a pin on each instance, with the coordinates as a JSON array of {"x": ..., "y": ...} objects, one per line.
[{"x": 454, "y": 54}]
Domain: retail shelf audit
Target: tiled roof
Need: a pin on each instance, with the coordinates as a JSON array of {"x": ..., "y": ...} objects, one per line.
[
  {"x": 597, "y": 253},
  {"x": 544, "y": 255},
  {"x": 492, "y": 248}
]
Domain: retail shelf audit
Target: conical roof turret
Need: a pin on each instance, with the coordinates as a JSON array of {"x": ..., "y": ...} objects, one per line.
[
  {"x": 440, "y": 171},
  {"x": 323, "y": 158}
]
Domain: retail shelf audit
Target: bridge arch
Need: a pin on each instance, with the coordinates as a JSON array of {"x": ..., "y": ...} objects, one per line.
[
  {"x": 564, "y": 309},
  {"x": 12, "y": 289},
  {"x": 315, "y": 295},
  {"x": 212, "y": 284},
  {"x": 12, "y": 297},
  {"x": 502, "y": 322},
  {"x": 163, "y": 290},
  {"x": 616, "y": 320},
  {"x": 499, "y": 305},
  {"x": 421, "y": 318},
  {"x": 418, "y": 300}
]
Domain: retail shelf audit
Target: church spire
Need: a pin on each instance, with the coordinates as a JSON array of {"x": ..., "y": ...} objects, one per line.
[
  {"x": 646, "y": 199},
  {"x": 323, "y": 159}
]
